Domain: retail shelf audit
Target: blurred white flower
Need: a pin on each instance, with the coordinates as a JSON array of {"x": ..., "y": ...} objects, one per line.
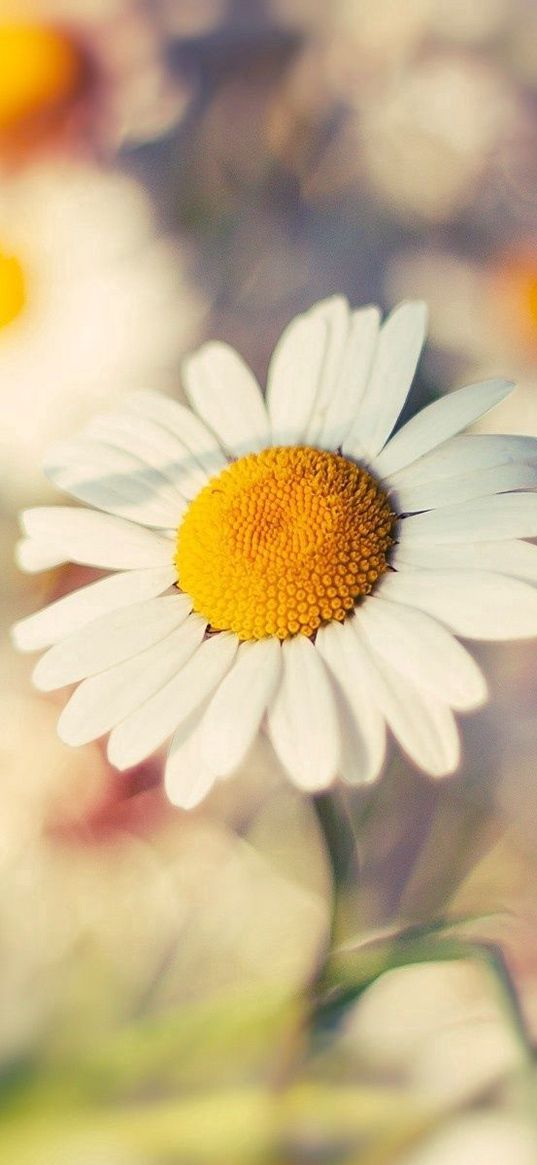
[
  {"x": 488, "y": 1137},
  {"x": 428, "y": 142},
  {"x": 95, "y": 933},
  {"x": 380, "y": 95},
  {"x": 485, "y": 314},
  {"x": 93, "y": 303},
  {"x": 441, "y": 1028},
  {"x": 86, "y": 75},
  {"x": 275, "y": 522}
]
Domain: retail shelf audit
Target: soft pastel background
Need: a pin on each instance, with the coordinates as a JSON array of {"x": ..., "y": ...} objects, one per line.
[{"x": 177, "y": 170}]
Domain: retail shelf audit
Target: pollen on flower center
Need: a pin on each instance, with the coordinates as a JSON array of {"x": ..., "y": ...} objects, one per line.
[
  {"x": 12, "y": 288},
  {"x": 283, "y": 541},
  {"x": 41, "y": 70}
]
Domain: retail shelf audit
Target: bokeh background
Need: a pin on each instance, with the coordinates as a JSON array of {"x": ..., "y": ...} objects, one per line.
[{"x": 177, "y": 170}]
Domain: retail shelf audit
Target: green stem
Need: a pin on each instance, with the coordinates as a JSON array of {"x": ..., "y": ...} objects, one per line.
[{"x": 339, "y": 837}]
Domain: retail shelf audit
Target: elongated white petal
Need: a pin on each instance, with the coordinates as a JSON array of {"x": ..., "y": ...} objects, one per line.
[
  {"x": 184, "y": 424},
  {"x": 424, "y": 727},
  {"x": 336, "y": 315},
  {"x": 364, "y": 732},
  {"x": 463, "y": 454},
  {"x": 32, "y": 555},
  {"x": 102, "y": 701},
  {"x": 474, "y": 604},
  {"x": 154, "y": 446},
  {"x": 487, "y": 519},
  {"x": 294, "y": 377},
  {"x": 515, "y": 558},
  {"x": 187, "y": 777},
  {"x": 342, "y": 408},
  {"x": 466, "y": 487},
  {"x": 439, "y": 421},
  {"x": 419, "y": 647},
  {"x": 114, "y": 481},
  {"x": 107, "y": 641},
  {"x": 94, "y": 539},
  {"x": 302, "y": 719},
  {"x": 234, "y": 715},
  {"x": 397, "y": 354},
  {"x": 224, "y": 392},
  {"x": 145, "y": 730},
  {"x": 73, "y": 611}
]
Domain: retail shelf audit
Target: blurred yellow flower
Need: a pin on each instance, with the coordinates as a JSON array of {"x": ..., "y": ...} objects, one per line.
[
  {"x": 41, "y": 70},
  {"x": 83, "y": 76},
  {"x": 12, "y": 289}
]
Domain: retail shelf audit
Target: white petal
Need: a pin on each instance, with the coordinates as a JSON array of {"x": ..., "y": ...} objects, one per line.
[
  {"x": 224, "y": 392},
  {"x": 145, "y": 730},
  {"x": 465, "y": 453},
  {"x": 364, "y": 729},
  {"x": 294, "y": 376},
  {"x": 466, "y": 487},
  {"x": 486, "y": 519},
  {"x": 154, "y": 446},
  {"x": 232, "y": 720},
  {"x": 516, "y": 558},
  {"x": 336, "y": 315},
  {"x": 94, "y": 539},
  {"x": 184, "y": 423},
  {"x": 398, "y": 351},
  {"x": 302, "y": 719},
  {"x": 73, "y": 611},
  {"x": 33, "y": 556},
  {"x": 107, "y": 641},
  {"x": 351, "y": 382},
  {"x": 187, "y": 777},
  {"x": 114, "y": 481},
  {"x": 420, "y": 648},
  {"x": 474, "y": 604},
  {"x": 439, "y": 421},
  {"x": 424, "y": 727},
  {"x": 104, "y": 700}
]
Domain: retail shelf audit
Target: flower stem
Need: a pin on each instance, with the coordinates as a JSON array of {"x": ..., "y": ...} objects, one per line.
[{"x": 338, "y": 833}]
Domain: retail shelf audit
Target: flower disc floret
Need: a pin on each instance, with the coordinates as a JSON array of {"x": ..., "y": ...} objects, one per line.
[{"x": 283, "y": 541}]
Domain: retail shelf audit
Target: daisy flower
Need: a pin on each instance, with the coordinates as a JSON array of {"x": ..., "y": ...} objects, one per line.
[
  {"x": 289, "y": 566},
  {"x": 93, "y": 72},
  {"x": 93, "y": 303}
]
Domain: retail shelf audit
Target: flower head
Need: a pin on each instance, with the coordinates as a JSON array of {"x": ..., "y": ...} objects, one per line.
[
  {"x": 93, "y": 303},
  {"x": 94, "y": 77},
  {"x": 288, "y": 565}
]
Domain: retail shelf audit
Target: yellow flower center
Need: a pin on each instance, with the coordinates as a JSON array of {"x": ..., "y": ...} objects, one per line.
[
  {"x": 12, "y": 289},
  {"x": 283, "y": 541},
  {"x": 41, "y": 70}
]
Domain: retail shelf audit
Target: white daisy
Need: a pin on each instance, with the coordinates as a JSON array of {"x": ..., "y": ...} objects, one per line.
[
  {"x": 93, "y": 304},
  {"x": 92, "y": 73},
  {"x": 286, "y": 566}
]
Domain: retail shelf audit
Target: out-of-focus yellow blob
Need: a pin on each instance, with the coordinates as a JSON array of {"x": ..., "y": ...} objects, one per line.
[
  {"x": 41, "y": 70},
  {"x": 12, "y": 289},
  {"x": 513, "y": 284}
]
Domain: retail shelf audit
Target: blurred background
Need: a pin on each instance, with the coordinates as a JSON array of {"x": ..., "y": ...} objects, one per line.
[{"x": 177, "y": 170}]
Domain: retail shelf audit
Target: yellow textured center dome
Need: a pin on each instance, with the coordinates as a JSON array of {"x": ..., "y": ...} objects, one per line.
[
  {"x": 41, "y": 70},
  {"x": 283, "y": 541}
]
